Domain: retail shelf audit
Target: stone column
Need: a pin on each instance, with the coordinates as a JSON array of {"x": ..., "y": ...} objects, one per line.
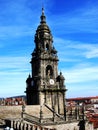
[
  {"x": 38, "y": 128},
  {"x": 29, "y": 127},
  {"x": 12, "y": 123},
  {"x": 53, "y": 114},
  {"x": 51, "y": 99},
  {"x": 21, "y": 126},
  {"x": 58, "y": 102},
  {"x": 25, "y": 126},
  {"x": 18, "y": 123},
  {"x": 32, "y": 127},
  {"x": 42, "y": 128},
  {"x": 45, "y": 97},
  {"x": 41, "y": 114},
  {"x": 64, "y": 105},
  {"x": 35, "y": 127},
  {"x": 91, "y": 126},
  {"x": 15, "y": 125},
  {"x": 77, "y": 112}
]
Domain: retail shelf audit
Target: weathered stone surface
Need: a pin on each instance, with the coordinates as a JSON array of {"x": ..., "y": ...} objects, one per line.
[{"x": 15, "y": 111}]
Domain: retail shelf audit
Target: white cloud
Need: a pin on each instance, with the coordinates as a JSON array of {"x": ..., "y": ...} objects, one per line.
[
  {"x": 14, "y": 31},
  {"x": 90, "y": 50},
  {"x": 81, "y": 74},
  {"x": 93, "y": 53},
  {"x": 81, "y": 80},
  {"x": 79, "y": 20},
  {"x": 75, "y": 48},
  {"x": 9, "y": 64},
  {"x": 13, "y": 74},
  {"x": 62, "y": 59}
]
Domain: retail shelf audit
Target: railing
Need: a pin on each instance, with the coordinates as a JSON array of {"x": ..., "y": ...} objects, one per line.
[
  {"x": 72, "y": 114},
  {"x": 22, "y": 125},
  {"x": 31, "y": 118},
  {"x": 52, "y": 110}
]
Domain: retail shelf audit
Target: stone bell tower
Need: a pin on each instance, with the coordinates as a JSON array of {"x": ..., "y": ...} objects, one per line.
[{"x": 45, "y": 86}]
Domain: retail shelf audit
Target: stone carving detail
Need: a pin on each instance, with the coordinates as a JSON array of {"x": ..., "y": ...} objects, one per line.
[{"x": 47, "y": 84}]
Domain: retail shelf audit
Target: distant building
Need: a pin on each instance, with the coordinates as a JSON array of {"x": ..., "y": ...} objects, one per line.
[
  {"x": 13, "y": 101},
  {"x": 90, "y": 105},
  {"x": 85, "y": 100}
]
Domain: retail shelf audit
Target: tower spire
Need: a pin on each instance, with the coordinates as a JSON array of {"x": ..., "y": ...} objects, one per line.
[
  {"x": 43, "y": 17},
  {"x": 42, "y": 10}
]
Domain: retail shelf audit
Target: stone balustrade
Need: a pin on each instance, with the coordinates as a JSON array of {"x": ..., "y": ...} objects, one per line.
[{"x": 21, "y": 125}]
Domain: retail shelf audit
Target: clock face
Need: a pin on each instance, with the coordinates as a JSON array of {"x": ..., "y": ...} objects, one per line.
[{"x": 51, "y": 81}]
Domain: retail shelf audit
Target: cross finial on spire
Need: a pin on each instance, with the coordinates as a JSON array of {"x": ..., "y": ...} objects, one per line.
[
  {"x": 42, "y": 6},
  {"x": 42, "y": 10},
  {"x": 43, "y": 18}
]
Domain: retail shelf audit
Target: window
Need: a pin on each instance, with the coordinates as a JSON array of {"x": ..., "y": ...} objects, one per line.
[
  {"x": 49, "y": 71},
  {"x": 47, "y": 47}
]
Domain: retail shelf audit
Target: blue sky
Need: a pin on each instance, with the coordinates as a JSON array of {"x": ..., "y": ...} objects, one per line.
[{"x": 74, "y": 26}]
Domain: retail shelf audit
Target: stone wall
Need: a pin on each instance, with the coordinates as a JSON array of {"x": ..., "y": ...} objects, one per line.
[
  {"x": 10, "y": 112},
  {"x": 15, "y": 111}
]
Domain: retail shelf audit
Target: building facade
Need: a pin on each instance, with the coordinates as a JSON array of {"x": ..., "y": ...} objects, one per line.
[{"x": 45, "y": 86}]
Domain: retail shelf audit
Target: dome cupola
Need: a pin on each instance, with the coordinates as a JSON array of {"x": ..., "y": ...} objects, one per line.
[{"x": 43, "y": 36}]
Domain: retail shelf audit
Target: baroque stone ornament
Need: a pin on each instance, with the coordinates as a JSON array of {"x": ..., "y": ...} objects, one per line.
[{"x": 45, "y": 84}]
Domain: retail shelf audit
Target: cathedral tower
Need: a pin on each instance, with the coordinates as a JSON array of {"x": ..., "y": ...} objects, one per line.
[{"x": 45, "y": 86}]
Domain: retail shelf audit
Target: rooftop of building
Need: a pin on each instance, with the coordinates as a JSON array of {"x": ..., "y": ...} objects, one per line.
[{"x": 82, "y": 98}]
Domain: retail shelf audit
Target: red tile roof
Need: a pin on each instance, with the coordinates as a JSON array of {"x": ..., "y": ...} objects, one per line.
[
  {"x": 82, "y": 98},
  {"x": 94, "y": 120}
]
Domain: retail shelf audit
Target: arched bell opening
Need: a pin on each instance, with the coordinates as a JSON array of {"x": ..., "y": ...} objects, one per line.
[
  {"x": 49, "y": 72},
  {"x": 47, "y": 47}
]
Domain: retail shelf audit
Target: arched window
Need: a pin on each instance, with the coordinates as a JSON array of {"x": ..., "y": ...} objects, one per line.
[
  {"x": 47, "y": 46},
  {"x": 49, "y": 71}
]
